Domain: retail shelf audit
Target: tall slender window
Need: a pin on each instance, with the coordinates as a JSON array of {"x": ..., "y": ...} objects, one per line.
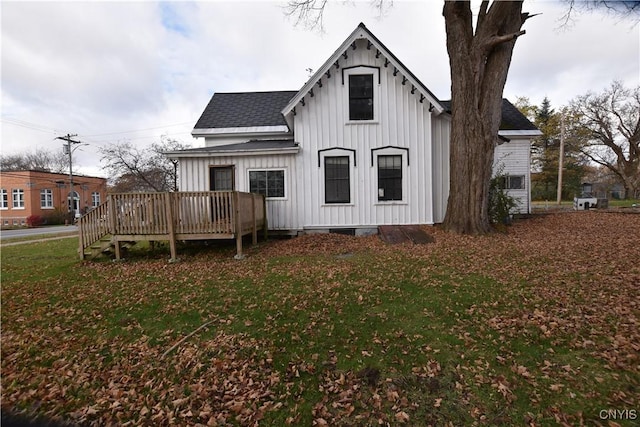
[
  {"x": 95, "y": 199},
  {"x": 337, "y": 184},
  {"x": 46, "y": 199},
  {"x": 17, "y": 196},
  {"x": 361, "y": 97},
  {"x": 4, "y": 199},
  {"x": 389, "y": 178}
]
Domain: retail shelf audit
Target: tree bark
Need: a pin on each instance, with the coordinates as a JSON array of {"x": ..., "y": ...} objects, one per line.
[{"x": 479, "y": 65}]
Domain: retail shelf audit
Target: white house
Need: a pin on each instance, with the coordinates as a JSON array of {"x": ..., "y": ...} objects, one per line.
[{"x": 363, "y": 143}]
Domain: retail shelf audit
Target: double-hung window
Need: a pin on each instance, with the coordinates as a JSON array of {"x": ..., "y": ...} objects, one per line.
[
  {"x": 267, "y": 182},
  {"x": 95, "y": 199},
  {"x": 361, "y": 97},
  {"x": 17, "y": 196},
  {"x": 389, "y": 178},
  {"x": 46, "y": 199},
  {"x": 337, "y": 182},
  {"x": 4, "y": 199}
]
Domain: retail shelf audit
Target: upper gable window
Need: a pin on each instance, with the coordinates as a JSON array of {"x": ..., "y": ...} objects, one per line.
[{"x": 361, "y": 97}]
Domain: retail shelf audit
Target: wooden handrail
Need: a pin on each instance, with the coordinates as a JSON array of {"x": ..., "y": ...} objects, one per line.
[{"x": 178, "y": 215}]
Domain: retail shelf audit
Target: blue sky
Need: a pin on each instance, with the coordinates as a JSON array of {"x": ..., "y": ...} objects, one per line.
[{"x": 115, "y": 71}]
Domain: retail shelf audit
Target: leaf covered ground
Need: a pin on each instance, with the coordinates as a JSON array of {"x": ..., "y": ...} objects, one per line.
[{"x": 538, "y": 326}]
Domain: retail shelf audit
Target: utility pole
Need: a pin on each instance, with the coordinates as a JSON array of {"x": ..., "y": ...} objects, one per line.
[
  {"x": 561, "y": 158},
  {"x": 68, "y": 150}
]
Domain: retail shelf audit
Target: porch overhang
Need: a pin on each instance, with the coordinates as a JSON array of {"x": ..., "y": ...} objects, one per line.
[{"x": 250, "y": 148}]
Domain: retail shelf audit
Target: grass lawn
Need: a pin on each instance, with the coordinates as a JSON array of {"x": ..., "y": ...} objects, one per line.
[{"x": 535, "y": 327}]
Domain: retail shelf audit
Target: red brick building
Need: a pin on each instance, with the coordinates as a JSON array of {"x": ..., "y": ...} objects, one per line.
[{"x": 26, "y": 193}]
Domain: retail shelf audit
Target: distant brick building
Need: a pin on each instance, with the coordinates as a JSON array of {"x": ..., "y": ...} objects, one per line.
[{"x": 26, "y": 193}]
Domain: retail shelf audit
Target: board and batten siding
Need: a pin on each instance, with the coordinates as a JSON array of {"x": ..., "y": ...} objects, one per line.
[
  {"x": 401, "y": 123},
  {"x": 441, "y": 131},
  {"x": 281, "y": 213},
  {"x": 514, "y": 158}
]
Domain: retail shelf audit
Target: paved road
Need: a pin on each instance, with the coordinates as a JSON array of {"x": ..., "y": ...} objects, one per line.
[{"x": 40, "y": 231}]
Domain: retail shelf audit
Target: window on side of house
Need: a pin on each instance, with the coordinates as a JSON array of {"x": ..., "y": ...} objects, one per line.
[
  {"x": 269, "y": 182},
  {"x": 337, "y": 183},
  {"x": 4, "y": 199},
  {"x": 17, "y": 196},
  {"x": 389, "y": 178},
  {"x": 46, "y": 199},
  {"x": 361, "y": 97},
  {"x": 95, "y": 199},
  {"x": 513, "y": 182}
]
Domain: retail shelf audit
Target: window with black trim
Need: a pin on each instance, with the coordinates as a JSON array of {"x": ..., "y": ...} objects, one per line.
[
  {"x": 337, "y": 184},
  {"x": 389, "y": 178},
  {"x": 361, "y": 97},
  {"x": 270, "y": 183}
]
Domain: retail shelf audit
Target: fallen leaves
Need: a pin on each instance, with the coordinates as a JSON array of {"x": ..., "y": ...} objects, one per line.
[{"x": 302, "y": 334}]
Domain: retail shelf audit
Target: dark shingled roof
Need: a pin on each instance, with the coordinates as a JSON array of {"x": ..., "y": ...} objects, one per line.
[
  {"x": 245, "y": 109},
  {"x": 512, "y": 118}
]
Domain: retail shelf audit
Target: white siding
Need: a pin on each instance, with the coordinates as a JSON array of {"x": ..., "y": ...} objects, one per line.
[
  {"x": 281, "y": 214},
  {"x": 400, "y": 121},
  {"x": 514, "y": 158},
  {"x": 441, "y": 131}
]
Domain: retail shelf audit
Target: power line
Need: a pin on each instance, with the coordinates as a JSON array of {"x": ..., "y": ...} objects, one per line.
[
  {"x": 138, "y": 130},
  {"x": 46, "y": 129}
]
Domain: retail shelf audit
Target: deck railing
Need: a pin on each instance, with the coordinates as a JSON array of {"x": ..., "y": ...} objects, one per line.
[{"x": 174, "y": 216}]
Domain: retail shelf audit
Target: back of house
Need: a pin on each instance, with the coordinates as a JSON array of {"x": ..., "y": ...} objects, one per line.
[{"x": 363, "y": 143}]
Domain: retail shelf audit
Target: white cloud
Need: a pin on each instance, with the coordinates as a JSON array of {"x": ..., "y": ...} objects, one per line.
[{"x": 111, "y": 71}]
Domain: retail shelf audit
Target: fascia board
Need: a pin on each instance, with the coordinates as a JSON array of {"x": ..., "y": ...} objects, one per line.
[
  {"x": 240, "y": 130},
  {"x": 524, "y": 133},
  {"x": 230, "y": 153}
]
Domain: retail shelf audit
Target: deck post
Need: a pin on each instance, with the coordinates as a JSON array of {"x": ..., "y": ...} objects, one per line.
[
  {"x": 254, "y": 231},
  {"x": 265, "y": 229},
  {"x": 238, "y": 225},
  {"x": 171, "y": 225},
  {"x": 116, "y": 245},
  {"x": 112, "y": 214},
  {"x": 81, "y": 238}
]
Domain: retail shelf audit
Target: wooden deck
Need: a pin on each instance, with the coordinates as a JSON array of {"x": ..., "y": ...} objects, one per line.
[{"x": 171, "y": 217}]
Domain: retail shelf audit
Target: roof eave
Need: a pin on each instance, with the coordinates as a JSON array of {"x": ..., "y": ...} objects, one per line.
[
  {"x": 227, "y": 153},
  {"x": 241, "y": 131},
  {"x": 520, "y": 133}
]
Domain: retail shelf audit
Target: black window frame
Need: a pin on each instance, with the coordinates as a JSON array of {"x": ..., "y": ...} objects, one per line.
[
  {"x": 271, "y": 184},
  {"x": 361, "y": 93},
  {"x": 337, "y": 180},
  {"x": 390, "y": 178}
]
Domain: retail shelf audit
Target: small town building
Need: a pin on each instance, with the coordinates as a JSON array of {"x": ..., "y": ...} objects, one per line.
[{"x": 47, "y": 195}]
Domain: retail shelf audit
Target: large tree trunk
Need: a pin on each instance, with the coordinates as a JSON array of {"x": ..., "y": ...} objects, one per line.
[{"x": 479, "y": 65}]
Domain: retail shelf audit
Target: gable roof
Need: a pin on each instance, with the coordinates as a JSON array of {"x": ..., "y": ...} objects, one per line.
[
  {"x": 512, "y": 119},
  {"x": 244, "y": 110},
  {"x": 362, "y": 32}
]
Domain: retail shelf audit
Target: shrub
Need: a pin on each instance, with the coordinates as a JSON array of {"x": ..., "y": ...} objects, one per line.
[
  {"x": 58, "y": 217},
  {"x": 34, "y": 221},
  {"x": 500, "y": 203}
]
